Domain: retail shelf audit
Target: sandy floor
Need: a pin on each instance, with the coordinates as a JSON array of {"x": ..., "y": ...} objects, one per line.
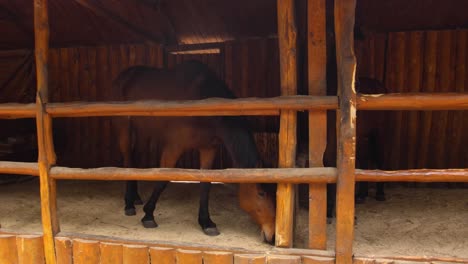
[{"x": 431, "y": 222}]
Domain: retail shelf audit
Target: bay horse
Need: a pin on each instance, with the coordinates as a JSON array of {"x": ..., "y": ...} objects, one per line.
[{"x": 189, "y": 80}]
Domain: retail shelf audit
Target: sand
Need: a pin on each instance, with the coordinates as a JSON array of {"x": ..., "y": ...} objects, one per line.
[{"x": 413, "y": 221}]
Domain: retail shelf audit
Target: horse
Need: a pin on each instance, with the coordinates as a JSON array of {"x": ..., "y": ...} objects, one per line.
[
  {"x": 369, "y": 133},
  {"x": 368, "y": 144},
  {"x": 368, "y": 140},
  {"x": 190, "y": 80}
]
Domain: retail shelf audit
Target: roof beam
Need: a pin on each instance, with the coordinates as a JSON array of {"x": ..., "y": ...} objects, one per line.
[
  {"x": 156, "y": 5},
  {"x": 105, "y": 13},
  {"x": 6, "y": 14}
]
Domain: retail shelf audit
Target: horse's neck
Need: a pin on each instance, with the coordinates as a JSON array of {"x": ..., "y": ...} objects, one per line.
[{"x": 239, "y": 143}]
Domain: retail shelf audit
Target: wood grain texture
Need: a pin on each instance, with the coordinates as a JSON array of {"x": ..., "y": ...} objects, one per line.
[
  {"x": 162, "y": 255},
  {"x": 317, "y": 74},
  {"x": 317, "y": 260},
  {"x": 23, "y": 168},
  {"x": 461, "y": 86},
  {"x": 86, "y": 252},
  {"x": 272, "y": 259},
  {"x": 47, "y": 156},
  {"x": 346, "y": 118},
  {"x": 30, "y": 249},
  {"x": 135, "y": 254},
  {"x": 414, "y": 82},
  {"x": 445, "y": 78},
  {"x": 413, "y": 101},
  {"x": 111, "y": 253},
  {"x": 398, "y": 57},
  {"x": 287, "y": 39},
  {"x": 184, "y": 256},
  {"x": 216, "y": 257},
  {"x": 285, "y": 175},
  {"x": 429, "y": 83},
  {"x": 417, "y": 175},
  {"x": 17, "y": 110},
  {"x": 64, "y": 250},
  {"x": 250, "y": 106},
  {"x": 249, "y": 259},
  {"x": 8, "y": 251}
]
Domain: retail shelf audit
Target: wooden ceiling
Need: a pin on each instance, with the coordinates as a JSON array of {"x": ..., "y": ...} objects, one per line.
[{"x": 94, "y": 22}]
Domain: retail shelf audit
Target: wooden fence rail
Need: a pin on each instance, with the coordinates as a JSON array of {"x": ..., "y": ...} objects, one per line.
[
  {"x": 285, "y": 175},
  {"x": 21, "y": 168},
  {"x": 16, "y": 110},
  {"x": 240, "y": 106},
  {"x": 413, "y": 101}
]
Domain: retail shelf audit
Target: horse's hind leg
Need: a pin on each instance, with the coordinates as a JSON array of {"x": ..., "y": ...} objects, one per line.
[
  {"x": 362, "y": 193},
  {"x": 131, "y": 192},
  {"x": 208, "y": 226},
  {"x": 168, "y": 160},
  {"x": 380, "y": 195}
]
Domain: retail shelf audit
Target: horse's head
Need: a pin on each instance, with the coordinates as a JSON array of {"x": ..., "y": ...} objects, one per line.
[{"x": 259, "y": 202}]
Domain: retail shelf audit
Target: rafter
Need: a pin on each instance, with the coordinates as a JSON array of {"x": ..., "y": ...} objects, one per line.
[
  {"x": 106, "y": 13},
  {"x": 8, "y": 15},
  {"x": 156, "y": 5}
]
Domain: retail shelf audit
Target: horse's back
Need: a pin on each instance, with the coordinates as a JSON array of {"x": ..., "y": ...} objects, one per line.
[
  {"x": 185, "y": 82},
  {"x": 148, "y": 83},
  {"x": 190, "y": 80}
]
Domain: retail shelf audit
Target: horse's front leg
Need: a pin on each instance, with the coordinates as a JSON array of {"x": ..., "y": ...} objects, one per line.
[
  {"x": 168, "y": 160},
  {"x": 207, "y": 225},
  {"x": 148, "y": 220}
]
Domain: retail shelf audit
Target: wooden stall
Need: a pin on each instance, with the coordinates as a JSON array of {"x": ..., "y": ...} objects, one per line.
[{"x": 81, "y": 111}]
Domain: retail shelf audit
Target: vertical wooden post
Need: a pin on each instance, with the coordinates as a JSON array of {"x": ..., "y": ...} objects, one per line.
[
  {"x": 287, "y": 37},
  {"x": 44, "y": 131},
  {"x": 346, "y": 123},
  {"x": 317, "y": 65}
]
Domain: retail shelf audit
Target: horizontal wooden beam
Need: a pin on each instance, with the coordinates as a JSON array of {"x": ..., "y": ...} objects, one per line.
[
  {"x": 413, "y": 101},
  {"x": 287, "y": 175},
  {"x": 16, "y": 110},
  {"x": 293, "y": 175},
  {"x": 241, "y": 106},
  {"x": 21, "y": 168},
  {"x": 211, "y": 106},
  {"x": 419, "y": 175}
]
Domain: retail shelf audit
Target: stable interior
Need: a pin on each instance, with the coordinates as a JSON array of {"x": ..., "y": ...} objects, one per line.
[{"x": 89, "y": 48}]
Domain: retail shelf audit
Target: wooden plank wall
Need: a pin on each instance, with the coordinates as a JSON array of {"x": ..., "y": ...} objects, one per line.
[
  {"x": 251, "y": 68},
  {"x": 404, "y": 62},
  {"x": 420, "y": 61},
  {"x": 86, "y": 73}
]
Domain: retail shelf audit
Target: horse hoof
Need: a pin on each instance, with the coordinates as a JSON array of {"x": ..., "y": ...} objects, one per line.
[
  {"x": 211, "y": 231},
  {"x": 149, "y": 223},
  {"x": 360, "y": 200},
  {"x": 130, "y": 211},
  {"x": 380, "y": 198}
]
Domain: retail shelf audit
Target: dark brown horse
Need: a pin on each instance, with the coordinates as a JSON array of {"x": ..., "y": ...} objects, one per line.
[
  {"x": 369, "y": 136},
  {"x": 369, "y": 131},
  {"x": 175, "y": 135}
]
